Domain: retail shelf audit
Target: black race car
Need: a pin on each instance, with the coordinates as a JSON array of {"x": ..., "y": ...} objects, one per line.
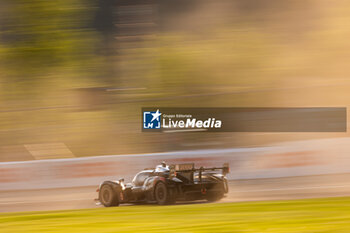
[{"x": 166, "y": 184}]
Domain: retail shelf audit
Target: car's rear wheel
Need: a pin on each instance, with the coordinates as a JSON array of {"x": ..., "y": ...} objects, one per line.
[
  {"x": 219, "y": 194},
  {"x": 108, "y": 196},
  {"x": 162, "y": 194},
  {"x": 214, "y": 196}
]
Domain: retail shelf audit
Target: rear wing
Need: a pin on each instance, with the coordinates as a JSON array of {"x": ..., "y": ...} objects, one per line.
[{"x": 189, "y": 167}]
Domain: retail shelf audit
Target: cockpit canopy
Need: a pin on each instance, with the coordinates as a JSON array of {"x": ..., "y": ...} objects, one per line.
[
  {"x": 140, "y": 177},
  {"x": 161, "y": 168}
]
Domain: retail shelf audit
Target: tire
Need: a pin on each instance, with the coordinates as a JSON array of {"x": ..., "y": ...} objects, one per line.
[
  {"x": 162, "y": 194},
  {"x": 215, "y": 196},
  {"x": 108, "y": 196},
  {"x": 219, "y": 194}
]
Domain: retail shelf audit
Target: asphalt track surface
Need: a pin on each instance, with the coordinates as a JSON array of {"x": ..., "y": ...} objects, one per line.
[{"x": 240, "y": 190}]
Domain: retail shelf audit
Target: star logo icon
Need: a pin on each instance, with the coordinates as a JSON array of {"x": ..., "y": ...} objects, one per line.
[
  {"x": 156, "y": 115},
  {"x": 151, "y": 119}
]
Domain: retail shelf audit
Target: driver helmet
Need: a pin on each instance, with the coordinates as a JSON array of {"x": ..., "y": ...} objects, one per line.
[{"x": 163, "y": 163}]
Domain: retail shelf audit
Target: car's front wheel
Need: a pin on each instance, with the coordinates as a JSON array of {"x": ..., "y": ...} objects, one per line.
[{"x": 108, "y": 196}]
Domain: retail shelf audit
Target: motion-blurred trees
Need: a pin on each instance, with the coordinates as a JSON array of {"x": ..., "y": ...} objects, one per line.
[{"x": 40, "y": 37}]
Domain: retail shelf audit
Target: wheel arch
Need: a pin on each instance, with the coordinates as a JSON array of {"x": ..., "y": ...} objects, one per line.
[{"x": 115, "y": 185}]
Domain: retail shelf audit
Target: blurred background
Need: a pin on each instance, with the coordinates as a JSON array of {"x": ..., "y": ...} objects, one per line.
[{"x": 74, "y": 74}]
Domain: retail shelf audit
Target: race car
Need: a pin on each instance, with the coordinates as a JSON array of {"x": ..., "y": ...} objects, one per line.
[{"x": 167, "y": 184}]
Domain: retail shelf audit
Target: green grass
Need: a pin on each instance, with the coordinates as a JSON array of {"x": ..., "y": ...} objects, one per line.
[{"x": 314, "y": 215}]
